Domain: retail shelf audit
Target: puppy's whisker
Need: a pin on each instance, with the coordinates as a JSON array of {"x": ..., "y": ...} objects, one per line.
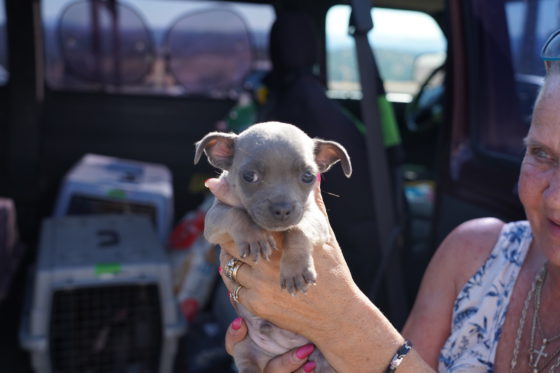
[{"x": 332, "y": 194}]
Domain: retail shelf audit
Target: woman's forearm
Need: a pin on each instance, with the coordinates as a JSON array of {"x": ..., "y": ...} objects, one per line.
[{"x": 361, "y": 339}]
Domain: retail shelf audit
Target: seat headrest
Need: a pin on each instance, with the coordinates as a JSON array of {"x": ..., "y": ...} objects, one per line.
[{"x": 293, "y": 43}]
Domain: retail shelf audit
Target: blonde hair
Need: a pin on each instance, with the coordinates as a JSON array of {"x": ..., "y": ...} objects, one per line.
[{"x": 552, "y": 69}]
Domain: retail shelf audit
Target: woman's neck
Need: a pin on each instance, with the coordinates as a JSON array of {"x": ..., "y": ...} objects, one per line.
[
  {"x": 550, "y": 302},
  {"x": 551, "y": 287}
]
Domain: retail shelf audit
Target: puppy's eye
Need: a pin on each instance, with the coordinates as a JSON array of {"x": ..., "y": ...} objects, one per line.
[
  {"x": 308, "y": 177},
  {"x": 250, "y": 176}
]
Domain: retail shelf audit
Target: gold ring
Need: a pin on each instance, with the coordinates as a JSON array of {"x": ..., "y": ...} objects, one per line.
[
  {"x": 232, "y": 266},
  {"x": 235, "y": 294},
  {"x": 235, "y": 269}
]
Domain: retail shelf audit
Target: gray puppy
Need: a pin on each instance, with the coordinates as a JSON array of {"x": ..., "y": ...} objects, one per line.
[{"x": 271, "y": 168}]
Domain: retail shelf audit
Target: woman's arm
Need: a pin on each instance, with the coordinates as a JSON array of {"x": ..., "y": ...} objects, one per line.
[{"x": 351, "y": 332}]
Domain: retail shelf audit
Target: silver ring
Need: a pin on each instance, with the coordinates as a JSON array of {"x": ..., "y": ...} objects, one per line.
[
  {"x": 235, "y": 294},
  {"x": 232, "y": 266}
]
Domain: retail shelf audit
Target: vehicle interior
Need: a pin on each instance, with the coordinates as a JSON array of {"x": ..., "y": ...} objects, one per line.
[{"x": 431, "y": 98}]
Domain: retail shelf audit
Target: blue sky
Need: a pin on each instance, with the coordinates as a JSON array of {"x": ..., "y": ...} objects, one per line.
[{"x": 391, "y": 28}]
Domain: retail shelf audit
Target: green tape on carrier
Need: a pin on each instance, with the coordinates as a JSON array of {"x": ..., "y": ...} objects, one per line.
[
  {"x": 107, "y": 269},
  {"x": 117, "y": 193}
]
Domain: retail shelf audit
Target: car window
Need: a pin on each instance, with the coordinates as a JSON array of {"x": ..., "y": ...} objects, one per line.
[
  {"x": 510, "y": 39},
  {"x": 408, "y": 46},
  {"x": 4, "y": 75},
  {"x": 154, "y": 46}
]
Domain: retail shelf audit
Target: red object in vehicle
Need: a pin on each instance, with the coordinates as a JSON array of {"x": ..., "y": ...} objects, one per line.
[
  {"x": 189, "y": 308},
  {"x": 187, "y": 231}
]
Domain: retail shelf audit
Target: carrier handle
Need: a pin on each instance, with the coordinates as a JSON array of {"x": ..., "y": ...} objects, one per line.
[{"x": 108, "y": 237}]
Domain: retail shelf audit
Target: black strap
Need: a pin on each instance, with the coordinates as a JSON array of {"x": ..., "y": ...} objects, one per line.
[{"x": 386, "y": 214}]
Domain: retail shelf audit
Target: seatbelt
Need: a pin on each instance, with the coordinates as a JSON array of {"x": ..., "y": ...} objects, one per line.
[{"x": 385, "y": 211}]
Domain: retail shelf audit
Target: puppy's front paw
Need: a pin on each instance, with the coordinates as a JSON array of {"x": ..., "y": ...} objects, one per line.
[
  {"x": 297, "y": 278},
  {"x": 258, "y": 243}
]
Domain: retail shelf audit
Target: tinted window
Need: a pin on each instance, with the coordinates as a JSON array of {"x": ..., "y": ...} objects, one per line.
[
  {"x": 408, "y": 46},
  {"x": 154, "y": 46},
  {"x": 510, "y": 39}
]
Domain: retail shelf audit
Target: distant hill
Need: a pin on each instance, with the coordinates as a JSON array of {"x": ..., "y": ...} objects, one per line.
[{"x": 393, "y": 64}]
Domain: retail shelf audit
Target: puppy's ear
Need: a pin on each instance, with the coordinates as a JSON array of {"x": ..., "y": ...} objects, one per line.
[
  {"x": 219, "y": 148},
  {"x": 328, "y": 153}
]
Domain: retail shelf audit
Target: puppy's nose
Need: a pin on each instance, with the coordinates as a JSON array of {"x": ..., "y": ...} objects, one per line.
[{"x": 281, "y": 210}]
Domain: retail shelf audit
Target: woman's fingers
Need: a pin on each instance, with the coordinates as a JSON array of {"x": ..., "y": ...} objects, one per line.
[
  {"x": 292, "y": 361},
  {"x": 221, "y": 190},
  {"x": 319, "y": 197},
  {"x": 240, "y": 274},
  {"x": 308, "y": 367},
  {"x": 236, "y": 332}
]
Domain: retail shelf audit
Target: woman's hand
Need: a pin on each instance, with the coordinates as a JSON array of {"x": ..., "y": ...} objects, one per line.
[
  {"x": 302, "y": 313},
  {"x": 292, "y": 361}
]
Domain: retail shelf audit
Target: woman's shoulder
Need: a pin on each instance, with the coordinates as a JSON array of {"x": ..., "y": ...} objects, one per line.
[
  {"x": 466, "y": 248},
  {"x": 455, "y": 261},
  {"x": 476, "y": 232}
]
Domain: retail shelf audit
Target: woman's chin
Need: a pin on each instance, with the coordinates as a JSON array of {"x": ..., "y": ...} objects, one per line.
[
  {"x": 549, "y": 241},
  {"x": 553, "y": 229}
]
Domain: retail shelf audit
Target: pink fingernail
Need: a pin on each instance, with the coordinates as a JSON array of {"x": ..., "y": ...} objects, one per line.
[
  {"x": 310, "y": 366},
  {"x": 318, "y": 178},
  {"x": 220, "y": 270},
  {"x": 236, "y": 324},
  {"x": 304, "y": 351}
]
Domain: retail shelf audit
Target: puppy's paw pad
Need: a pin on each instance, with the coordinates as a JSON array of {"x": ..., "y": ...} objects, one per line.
[
  {"x": 309, "y": 276},
  {"x": 256, "y": 244},
  {"x": 259, "y": 249},
  {"x": 244, "y": 249},
  {"x": 289, "y": 285},
  {"x": 272, "y": 243},
  {"x": 266, "y": 250},
  {"x": 300, "y": 281},
  {"x": 255, "y": 250},
  {"x": 300, "y": 285}
]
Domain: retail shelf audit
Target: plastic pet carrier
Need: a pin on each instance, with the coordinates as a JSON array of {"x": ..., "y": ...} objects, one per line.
[
  {"x": 100, "y": 185},
  {"x": 101, "y": 298}
]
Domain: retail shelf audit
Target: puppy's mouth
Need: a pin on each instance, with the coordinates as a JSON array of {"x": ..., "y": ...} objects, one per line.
[
  {"x": 272, "y": 222},
  {"x": 277, "y": 227}
]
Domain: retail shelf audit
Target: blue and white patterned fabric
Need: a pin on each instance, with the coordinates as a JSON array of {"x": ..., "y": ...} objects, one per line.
[{"x": 480, "y": 308}]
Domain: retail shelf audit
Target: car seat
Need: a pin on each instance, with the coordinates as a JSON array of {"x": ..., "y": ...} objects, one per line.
[{"x": 296, "y": 96}]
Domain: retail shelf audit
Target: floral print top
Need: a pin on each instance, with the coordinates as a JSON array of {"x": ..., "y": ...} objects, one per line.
[{"x": 480, "y": 308}]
